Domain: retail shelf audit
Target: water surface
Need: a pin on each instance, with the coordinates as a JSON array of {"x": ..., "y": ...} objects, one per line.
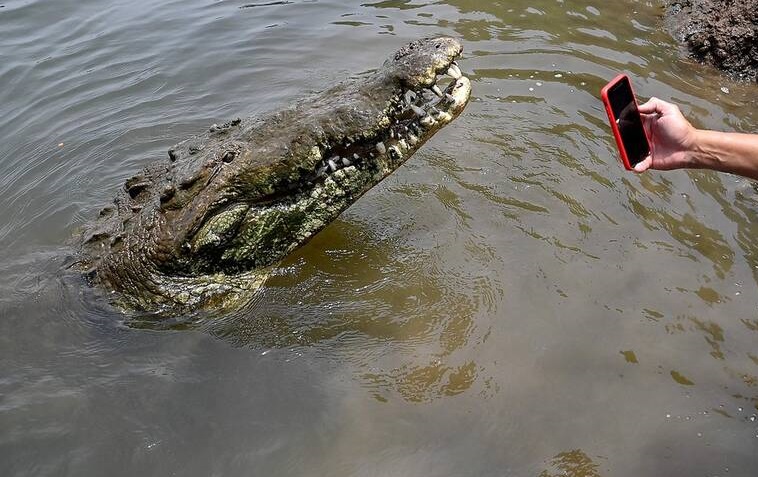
[{"x": 509, "y": 302}]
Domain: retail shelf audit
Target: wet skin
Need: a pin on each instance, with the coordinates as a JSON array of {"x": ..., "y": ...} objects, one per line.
[{"x": 203, "y": 227}]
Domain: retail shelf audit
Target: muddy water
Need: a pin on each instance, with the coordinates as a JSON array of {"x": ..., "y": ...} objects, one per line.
[{"x": 510, "y": 302}]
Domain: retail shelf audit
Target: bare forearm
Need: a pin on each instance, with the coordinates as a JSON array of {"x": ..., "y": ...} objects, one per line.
[{"x": 726, "y": 152}]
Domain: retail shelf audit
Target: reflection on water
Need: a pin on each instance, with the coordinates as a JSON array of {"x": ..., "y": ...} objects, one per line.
[
  {"x": 509, "y": 302},
  {"x": 403, "y": 318},
  {"x": 574, "y": 463},
  {"x": 694, "y": 236}
]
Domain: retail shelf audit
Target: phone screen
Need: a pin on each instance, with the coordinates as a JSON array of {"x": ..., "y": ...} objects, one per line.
[{"x": 628, "y": 121}]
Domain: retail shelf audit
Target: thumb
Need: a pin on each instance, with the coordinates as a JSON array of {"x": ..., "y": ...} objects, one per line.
[{"x": 644, "y": 165}]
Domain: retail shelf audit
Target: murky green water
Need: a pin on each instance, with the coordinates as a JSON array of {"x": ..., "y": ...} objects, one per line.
[{"x": 508, "y": 303}]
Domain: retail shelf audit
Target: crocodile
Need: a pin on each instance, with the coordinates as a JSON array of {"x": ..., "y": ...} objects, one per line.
[{"x": 204, "y": 227}]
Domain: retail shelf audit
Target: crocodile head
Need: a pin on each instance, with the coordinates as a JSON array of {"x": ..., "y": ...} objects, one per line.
[{"x": 230, "y": 203}]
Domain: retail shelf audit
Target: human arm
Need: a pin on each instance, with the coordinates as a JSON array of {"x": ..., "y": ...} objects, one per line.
[{"x": 676, "y": 144}]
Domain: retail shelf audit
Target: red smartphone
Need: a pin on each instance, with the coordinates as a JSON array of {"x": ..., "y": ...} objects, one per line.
[{"x": 626, "y": 123}]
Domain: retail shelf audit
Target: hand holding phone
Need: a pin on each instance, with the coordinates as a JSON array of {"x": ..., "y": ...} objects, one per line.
[
  {"x": 626, "y": 123},
  {"x": 672, "y": 138}
]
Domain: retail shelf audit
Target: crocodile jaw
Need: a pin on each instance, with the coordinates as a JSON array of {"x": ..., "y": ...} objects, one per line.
[{"x": 248, "y": 235}]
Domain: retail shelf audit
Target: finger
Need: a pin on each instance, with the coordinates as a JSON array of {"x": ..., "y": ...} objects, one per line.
[
  {"x": 659, "y": 107},
  {"x": 644, "y": 165},
  {"x": 651, "y": 106},
  {"x": 647, "y": 122}
]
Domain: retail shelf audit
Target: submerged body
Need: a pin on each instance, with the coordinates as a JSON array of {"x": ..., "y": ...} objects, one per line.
[{"x": 202, "y": 227}]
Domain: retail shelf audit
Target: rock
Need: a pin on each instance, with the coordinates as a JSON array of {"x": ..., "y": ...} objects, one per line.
[{"x": 721, "y": 33}]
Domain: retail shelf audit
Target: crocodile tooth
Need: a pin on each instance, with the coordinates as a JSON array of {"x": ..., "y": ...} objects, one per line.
[
  {"x": 395, "y": 153},
  {"x": 403, "y": 144},
  {"x": 332, "y": 165},
  {"x": 412, "y": 138},
  {"x": 380, "y": 148},
  {"x": 443, "y": 116},
  {"x": 392, "y": 133},
  {"x": 436, "y": 90},
  {"x": 419, "y": 112},
  {"x": 454, "y": 71},
  {"x": 427, "y": 121},
  {"x": 346, "y": 162},
  {"x": 356, "y": 157}
]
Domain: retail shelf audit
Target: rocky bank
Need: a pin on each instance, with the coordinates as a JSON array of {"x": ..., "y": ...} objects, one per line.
[{"x": 722, "y": 33}]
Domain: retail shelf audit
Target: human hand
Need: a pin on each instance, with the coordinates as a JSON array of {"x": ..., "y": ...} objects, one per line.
[{"x": 671, "y": 136}]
